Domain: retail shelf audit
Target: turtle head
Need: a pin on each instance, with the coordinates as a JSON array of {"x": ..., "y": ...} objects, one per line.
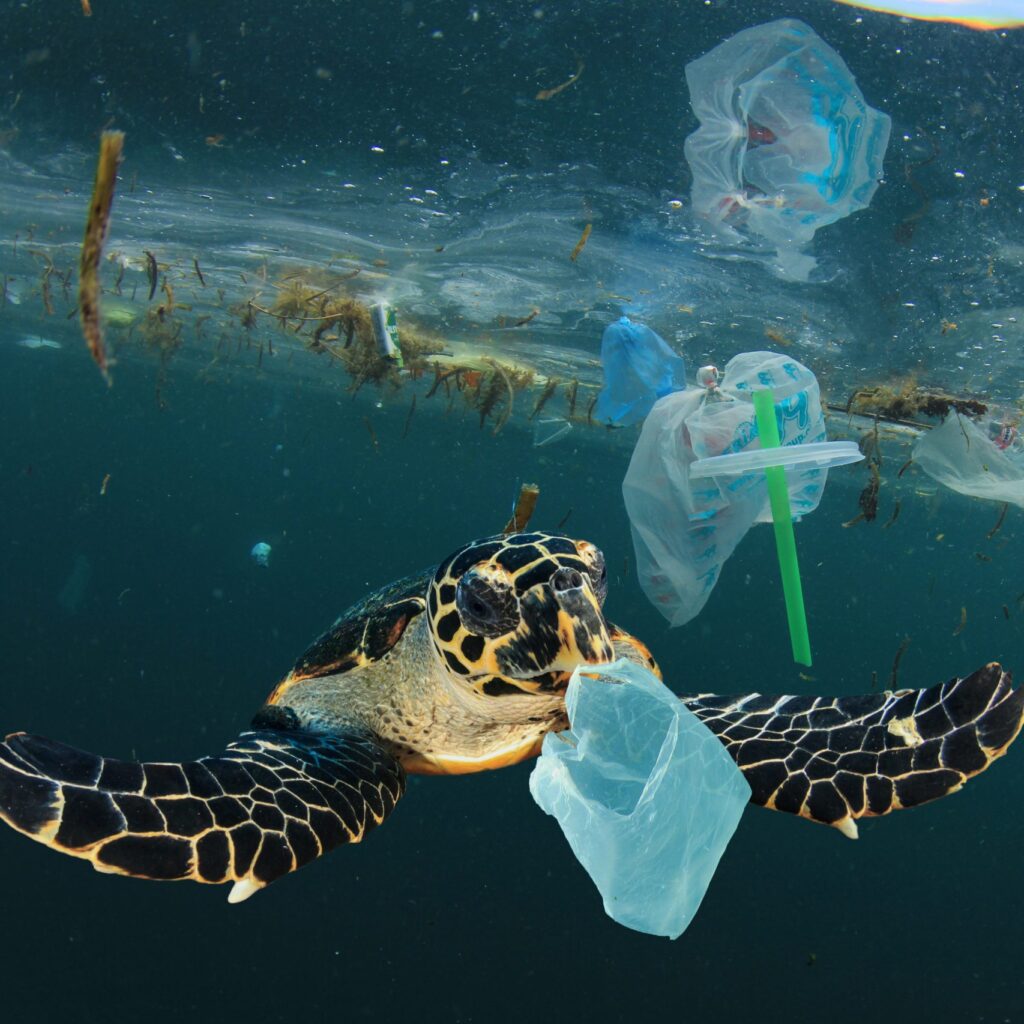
[{"x": 519, "y": 613}]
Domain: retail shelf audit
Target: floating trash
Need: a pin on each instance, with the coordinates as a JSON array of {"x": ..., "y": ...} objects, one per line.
[
  {"x": 685, "y": 525},
  {"x": 639, "y": 368},
  {"x": 646, "y": 795},
  {"x": 549, "y": 429},
  {"x": 786, "y": 142},
  {"x": 978, "y": 462},
  {"x": 34, "y": 341},
  {"x": 385, "y": 331},
  {"x": 261, "y": 553}
]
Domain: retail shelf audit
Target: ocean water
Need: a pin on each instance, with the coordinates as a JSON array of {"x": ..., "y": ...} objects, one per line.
[{"x": 308, "y": 140}]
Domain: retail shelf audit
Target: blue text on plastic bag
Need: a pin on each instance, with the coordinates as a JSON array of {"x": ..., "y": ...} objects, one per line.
[
  {"x": 786, "y": 143},
  {"x": 639, "y": 368},
  {"x": 685, "y": 530},
  {"x": 646, "y": 795}
]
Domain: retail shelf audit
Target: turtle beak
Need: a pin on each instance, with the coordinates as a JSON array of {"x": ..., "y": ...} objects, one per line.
[{"x": 581, "y": 624}]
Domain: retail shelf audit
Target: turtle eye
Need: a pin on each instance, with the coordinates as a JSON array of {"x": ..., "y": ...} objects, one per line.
[{"x": 485, "y": 607}]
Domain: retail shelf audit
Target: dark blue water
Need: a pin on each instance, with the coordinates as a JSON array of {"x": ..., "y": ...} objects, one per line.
[{"x": 134, "y": 623}]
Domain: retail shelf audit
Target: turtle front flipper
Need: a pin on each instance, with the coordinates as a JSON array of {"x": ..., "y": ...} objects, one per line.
[
  {"x": 836, "y": 759},
  {"x": 271, "y": 802}
]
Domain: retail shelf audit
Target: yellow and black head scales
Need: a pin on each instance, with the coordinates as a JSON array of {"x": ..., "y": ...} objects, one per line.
[{"x": 517, "y": 613}]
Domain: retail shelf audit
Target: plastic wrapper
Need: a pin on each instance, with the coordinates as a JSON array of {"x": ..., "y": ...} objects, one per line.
[
  {"x": 786, "y": 143},
  {"x": 981, "y": 461},
  {"x": 685, "y": 529},
  {"x": 639, "y": 368},
  {"x": 260, "y": 553},
  {"x": 646, "y": 795}
]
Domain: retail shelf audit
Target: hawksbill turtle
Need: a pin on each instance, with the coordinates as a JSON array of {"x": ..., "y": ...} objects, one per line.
[{"x": 459, "y": 669}]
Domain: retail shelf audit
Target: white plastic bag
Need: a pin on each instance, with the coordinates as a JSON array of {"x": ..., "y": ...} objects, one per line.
[
  {"x": 646, "y": 795},
  {"x": 683, "y": 529},
  {"x": 973, "y": 460},
  {"x": 786, "y": 142}
]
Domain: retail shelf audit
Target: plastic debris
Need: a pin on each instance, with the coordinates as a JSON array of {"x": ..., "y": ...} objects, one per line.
[
  {"x": 786, "y": 142},
  {"x": 639, "y": 368},
  {"x": 824, "y": 455},
  {"x": 385, "y": 331},
  {"x": 35, "y": 342},
  {"x": 646, "y": 795},
  {"x": 686, "y": 527},
  {"x": 549, "y": 429},
  {"x": 981, "y": 461},
  {"x": 261, "y": 553}
]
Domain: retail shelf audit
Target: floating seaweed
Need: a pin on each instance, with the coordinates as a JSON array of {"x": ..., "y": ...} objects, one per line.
[
  {"x": 895, "y": 514},
  {"x": 963, "y": 622},
  {"x": 999, "y": 522},
  {"x": 571, "y": 391},
  {"x": 111, "y": 149},
  {"x": 574, "y": 255},
  {"x": 547, "y": 94},
  {"x": 549, "y": 389},
  {"x": 151, "y": 273},
  {"x": 909, "y": 400},
  {"x": 868, "y": 499},
  {"x": 373, "y": 434},
  {"x": 896, "y": 663},
  {"x": 408, "y": 418}
]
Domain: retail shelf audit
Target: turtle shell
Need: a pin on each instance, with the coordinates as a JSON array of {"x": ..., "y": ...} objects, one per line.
[{"x": 365, "y": 632}]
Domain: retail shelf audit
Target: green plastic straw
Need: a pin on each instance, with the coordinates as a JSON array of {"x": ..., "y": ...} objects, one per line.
[{"x": 785, "y": 538}]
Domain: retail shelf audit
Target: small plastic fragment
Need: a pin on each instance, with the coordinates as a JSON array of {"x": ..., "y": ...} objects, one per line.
[
  {"x": 261, "y": 553},
  {"x": 385, "y": 331},
  {"x": 981, "y": 461},
  {"x": 639, "y": 368},
  {"x": 645, "y": 794},
  {"x": 786, "y": 143},
  {"x": 549, "y": 429}
]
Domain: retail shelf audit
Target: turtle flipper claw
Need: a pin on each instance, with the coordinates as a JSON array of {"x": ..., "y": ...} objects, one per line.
[
  {"x": 271, "y": 802},
  {"x": 836, "y": 759}
]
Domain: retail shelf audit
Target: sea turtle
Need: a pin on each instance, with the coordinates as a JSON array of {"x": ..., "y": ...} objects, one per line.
[{"x": 460, "y": 669}]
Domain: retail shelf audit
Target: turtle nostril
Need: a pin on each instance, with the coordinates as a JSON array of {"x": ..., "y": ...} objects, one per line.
[{"x": 566, "y": 579}]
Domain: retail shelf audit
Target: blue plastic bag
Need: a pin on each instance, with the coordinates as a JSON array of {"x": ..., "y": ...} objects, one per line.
[
  {"x": 645, "y": 793},
  {"x": 786, "y": 142},
  {"x": 639, "y": 368}
]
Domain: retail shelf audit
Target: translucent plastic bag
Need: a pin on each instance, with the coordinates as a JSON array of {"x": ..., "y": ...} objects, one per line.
[
  {"x": 645, "y": 793},
  {"x": 684, "y": 529},
  {"x": 981, "y": 461},
  {"x": 786, "y": 143},
  {"x": 639, "y": 368}
]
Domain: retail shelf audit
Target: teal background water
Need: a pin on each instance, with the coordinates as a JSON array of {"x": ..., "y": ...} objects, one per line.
[{"x": 467, "y": 905}]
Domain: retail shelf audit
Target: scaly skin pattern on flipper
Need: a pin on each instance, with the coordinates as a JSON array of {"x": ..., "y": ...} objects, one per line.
[
  {"x": 836, "y": 759},
  {"x": 271, "y": 802}
]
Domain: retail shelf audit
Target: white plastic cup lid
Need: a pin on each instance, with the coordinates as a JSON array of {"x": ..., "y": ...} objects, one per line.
[{"x": 823, "y": 456}]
